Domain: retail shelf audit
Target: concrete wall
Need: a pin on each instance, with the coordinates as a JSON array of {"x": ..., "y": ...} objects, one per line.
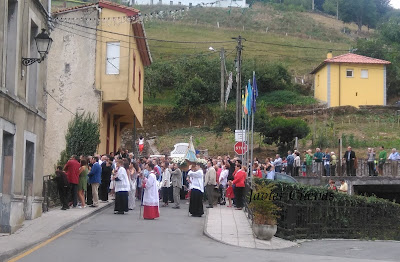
[
  {"x": 71, "y": 81},
  {"x": 22, "y": 116}
]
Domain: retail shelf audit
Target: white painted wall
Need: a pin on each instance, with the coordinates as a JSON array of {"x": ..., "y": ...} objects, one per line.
[{"x": 71, "y": 81}]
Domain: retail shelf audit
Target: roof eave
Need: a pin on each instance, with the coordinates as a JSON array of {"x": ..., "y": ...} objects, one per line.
[{"x": 318, "y": 68}]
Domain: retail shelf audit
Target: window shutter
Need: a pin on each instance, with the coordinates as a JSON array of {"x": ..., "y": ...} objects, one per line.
[{"x": 112, "y": 59}]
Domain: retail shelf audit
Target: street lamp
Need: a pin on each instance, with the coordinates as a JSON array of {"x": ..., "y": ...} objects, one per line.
[
  {"x": 222, "y": 58},
  {"x": 43, "y": 44}
]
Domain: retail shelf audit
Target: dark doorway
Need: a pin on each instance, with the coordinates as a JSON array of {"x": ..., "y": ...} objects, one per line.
[
  {"x": 389, "y": 192},
  {"x": 28, "y": 184}
]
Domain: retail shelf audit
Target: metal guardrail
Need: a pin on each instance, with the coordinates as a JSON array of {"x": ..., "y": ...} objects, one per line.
[
  {"x": 323, "y": 219},
  {"x": 50, "y": 194},
  {"x": 390, "y": 169}
]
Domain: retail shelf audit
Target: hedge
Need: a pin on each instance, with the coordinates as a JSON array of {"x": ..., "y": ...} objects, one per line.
[{"x": 309, "y": 212}]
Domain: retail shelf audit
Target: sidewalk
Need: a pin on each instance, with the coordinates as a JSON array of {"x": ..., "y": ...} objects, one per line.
[
  {"x": 232, "y": 227},
  {"x": 48, "y": 225}
]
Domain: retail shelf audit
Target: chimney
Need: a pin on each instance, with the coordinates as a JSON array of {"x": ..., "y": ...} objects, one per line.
[{"x": 329, "y": 55}]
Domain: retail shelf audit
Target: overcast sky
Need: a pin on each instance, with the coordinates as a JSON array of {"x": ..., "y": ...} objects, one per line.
[{"x": 395, "y": 3}]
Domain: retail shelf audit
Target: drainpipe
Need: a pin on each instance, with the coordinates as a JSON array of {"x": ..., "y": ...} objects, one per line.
[{"x": 339, "y": 86}]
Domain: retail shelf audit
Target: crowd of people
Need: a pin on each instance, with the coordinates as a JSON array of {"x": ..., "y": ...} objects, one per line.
[
  {"x": 327, "y": 163},
  {"x": 86, "y": 180}
]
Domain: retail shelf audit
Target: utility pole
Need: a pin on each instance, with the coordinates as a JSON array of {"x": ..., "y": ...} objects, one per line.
[
  {"x": 239, "y": 83},
  {"x": 313, "y": 5},
  {"x": 337, "y": 9},
  {"x": 222, "y": 56}
]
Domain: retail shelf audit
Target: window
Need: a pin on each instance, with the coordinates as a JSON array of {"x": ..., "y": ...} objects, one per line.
[
  {"x": 112, "y": 59},
  {"x": 364, "y": 73},
  {"x": 11, "y": 50},
  {"x": 349, "y": 73},
  {"x": 7, "y": 160},
  {"x": 33, "y": 69},
  {"x": 134, "y": 73},
  {"x": 140, "y": 86},
  {"x": 29, "y": 167}
]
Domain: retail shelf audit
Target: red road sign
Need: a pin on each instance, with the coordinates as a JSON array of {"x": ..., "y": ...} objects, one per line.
[{"x": 241, "y": 148}]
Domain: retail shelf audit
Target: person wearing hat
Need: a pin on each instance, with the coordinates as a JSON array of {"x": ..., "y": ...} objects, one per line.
[{"x": 333, "y": 163}]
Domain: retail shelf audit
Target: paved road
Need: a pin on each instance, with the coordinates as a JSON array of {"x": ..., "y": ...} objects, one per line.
[{"x": 177, "y": 237}]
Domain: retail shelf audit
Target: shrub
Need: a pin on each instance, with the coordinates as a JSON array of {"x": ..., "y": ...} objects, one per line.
[
  {"x": 265, "y": 212},
  {"x": 82, "y": 138},
  {"x": 283, "y": 132},
  {"x": 285, "y": 97}
]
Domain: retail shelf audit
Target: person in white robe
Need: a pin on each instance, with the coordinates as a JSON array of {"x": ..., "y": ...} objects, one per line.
[
  {"x": 122, "y": 188},
  {"x": 150, "y": 196},
  {"x": 132, "y": 175},
  {"x": 196, "y": 177}
]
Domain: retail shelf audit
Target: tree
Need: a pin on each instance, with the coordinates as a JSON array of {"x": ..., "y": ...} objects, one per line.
[
  {"x": 283, "y": 132},
  {"x": 159, "y": 76},
  {"x": 82, "y": 138},
  {"x": 270, "y": 76},
  {"x": 386, "y": 46},
  {"x": 361, "y": 12}
]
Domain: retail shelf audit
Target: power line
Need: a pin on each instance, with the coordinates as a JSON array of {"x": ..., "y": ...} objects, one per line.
[
  {"x": 296, "y": 46},
  {"x": 95, "y": 34},
  {"x": 180, "y": 58},
  {"x": 59, "y": 102},
  {"x": 152, "y": 39}
]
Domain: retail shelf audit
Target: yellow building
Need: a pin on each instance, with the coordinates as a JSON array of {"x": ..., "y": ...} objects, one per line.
[
  {"x": 350, "y": 80},
  {"x": 96, "y": 65}
]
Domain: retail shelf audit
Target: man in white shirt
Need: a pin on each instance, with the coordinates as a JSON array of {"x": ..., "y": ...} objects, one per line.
[
  {"x": 197, "y": 189},
  {"x": 394, "y": 158}
]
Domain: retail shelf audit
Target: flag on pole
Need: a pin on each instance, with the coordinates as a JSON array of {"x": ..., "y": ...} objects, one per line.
[
  {"x": 255, "y": 94},
  {"x": 244, "y": 102},
  {"x": 249, "y": 98}
]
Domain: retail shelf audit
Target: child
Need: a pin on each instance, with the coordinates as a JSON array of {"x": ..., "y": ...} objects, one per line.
[
  {"x": 304, "y": 169},
  {"x": 229, "y": 193}
]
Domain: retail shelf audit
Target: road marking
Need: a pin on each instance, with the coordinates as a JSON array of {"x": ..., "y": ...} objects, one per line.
[{"x": 39, "y": 246}]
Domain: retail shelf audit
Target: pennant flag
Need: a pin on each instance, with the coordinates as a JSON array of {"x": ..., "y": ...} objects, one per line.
[
  {"x": 255, "y": 94},
  {"x": 249, "y": 98},
  {"x": 245, "y": 101},
  {"x": 228, "y": 89}
]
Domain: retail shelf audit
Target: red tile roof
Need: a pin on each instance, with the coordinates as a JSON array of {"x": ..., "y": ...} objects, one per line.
[
  {"x": 351, "y": 59},
  {"x": 356, "y": 59},
  {"x": 129, "y": 11},
  {"x": 72, "y": 8}
]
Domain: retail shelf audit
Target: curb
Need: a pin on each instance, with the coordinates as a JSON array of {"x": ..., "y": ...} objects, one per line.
[
  {"x": 300, "y": 241},
  {"x": 9, "y": 254},
  {"x": 228, "y": 244}
]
